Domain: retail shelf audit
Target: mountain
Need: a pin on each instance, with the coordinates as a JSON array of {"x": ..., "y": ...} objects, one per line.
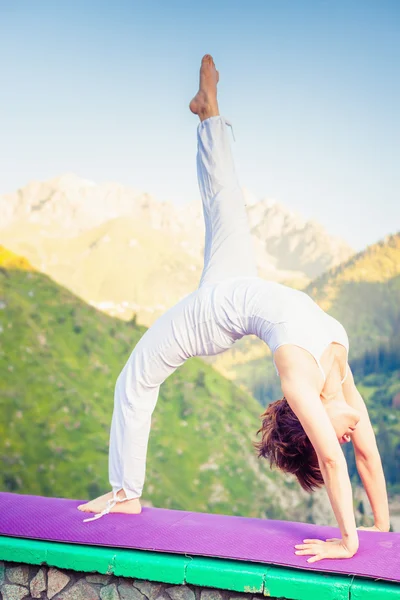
[
  {"x": 59, "y": 360},
  {"x": 67, "y": 205},
  {"x": 292, "y": 245},
  {"x": 124, "y": 252}
]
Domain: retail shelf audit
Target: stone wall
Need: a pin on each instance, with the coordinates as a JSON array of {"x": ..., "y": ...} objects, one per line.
[{"x": 19, "y": 581}]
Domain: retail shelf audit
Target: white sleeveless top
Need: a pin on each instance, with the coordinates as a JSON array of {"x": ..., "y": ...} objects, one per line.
[
  {"x": 276, "y": 313},
  {"x": 209, "y": 320}
]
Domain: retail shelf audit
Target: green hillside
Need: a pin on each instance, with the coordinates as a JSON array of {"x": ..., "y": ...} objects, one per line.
[
  {"x": 377, "y": 374},
  {"x": 59, "y": 360},
  {"x": 363, "y": 293}
]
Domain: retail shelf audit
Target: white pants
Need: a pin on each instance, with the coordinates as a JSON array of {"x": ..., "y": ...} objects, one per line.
[
  {"x": 177, "y": 334},
  {"x": 228, "y": 249}
]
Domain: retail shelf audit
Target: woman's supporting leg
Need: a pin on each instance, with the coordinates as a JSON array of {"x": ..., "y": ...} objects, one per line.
[
  {"x": 134, "y": 403},
  {"x": 157, "y": 355},
  {"x": 228, "y": 250}
]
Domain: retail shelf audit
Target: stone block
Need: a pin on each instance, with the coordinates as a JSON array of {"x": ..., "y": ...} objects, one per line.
[
  {"x": 109, "y": 592},
  {"x": 38, "y": 584},
  {"x": 128, "y": 592},
  {"x": 150, "y": 589},
  {"x": 81, "y": 590},
  {"x": 18, "y": 574},
  {"x": 211, "y": 595},
  {"x": 14, "y": 592},
  {"x": 56, "y": 581},
  {"x": 182, "y": 592}
]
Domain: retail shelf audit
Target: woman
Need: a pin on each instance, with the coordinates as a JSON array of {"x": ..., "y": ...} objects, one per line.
[{"x": 321, "y": 406}]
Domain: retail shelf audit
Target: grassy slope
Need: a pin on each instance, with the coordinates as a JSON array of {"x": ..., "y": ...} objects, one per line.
[
  {"x": 363, "y": 293},
  {"x": 60, "y": 359}
]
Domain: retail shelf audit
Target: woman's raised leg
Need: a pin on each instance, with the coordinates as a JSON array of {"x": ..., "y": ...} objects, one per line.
[{"x": 228, "y": 250}]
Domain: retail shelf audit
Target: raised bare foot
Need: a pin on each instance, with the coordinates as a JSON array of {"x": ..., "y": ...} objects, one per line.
[
  {"x": 205, "y": 102},
  {"x": 131, "y": 507}
]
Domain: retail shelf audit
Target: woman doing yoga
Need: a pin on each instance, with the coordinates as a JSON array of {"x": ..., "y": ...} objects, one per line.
[{"x": 321, "y": 407}]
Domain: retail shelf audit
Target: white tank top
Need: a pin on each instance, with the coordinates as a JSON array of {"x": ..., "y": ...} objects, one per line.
[{"x": 217, "y": 314}]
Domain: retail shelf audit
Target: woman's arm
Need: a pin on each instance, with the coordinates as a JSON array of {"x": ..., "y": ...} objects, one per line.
[
  {"x": 305, "y": 402},
  {"x": 373, "y": 479},
  {"x": 300, "y": 382},
  {"x": 368, "y": 460}
]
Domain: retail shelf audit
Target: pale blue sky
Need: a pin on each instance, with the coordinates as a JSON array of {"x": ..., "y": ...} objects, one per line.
[{"x": 101, "y": 89}]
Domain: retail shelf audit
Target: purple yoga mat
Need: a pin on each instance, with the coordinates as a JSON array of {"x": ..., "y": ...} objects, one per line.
[{"x": 184, "y": 532}]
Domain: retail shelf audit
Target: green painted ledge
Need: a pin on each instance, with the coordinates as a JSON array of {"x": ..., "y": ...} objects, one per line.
[{"x": 240, "y": 576}]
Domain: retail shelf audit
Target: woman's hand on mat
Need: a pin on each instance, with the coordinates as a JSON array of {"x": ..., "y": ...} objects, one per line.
[{"x": 330, "y": 548}]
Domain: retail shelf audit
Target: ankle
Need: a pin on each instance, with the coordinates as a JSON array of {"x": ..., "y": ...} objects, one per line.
[
  {"x": 208, "y": 112},
  {"x": 121, "y": 495}
]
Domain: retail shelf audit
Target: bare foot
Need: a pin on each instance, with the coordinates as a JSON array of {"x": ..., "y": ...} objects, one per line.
[
  {"x": 205, "y": 104},
  {"x": 130, "y": 507}
]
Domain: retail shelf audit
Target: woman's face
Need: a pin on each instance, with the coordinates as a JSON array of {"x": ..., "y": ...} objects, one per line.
[{"x": 343, "y": 417}]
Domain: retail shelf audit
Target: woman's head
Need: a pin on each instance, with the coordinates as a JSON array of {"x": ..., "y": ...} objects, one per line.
[{"x": 285, "y": 443}]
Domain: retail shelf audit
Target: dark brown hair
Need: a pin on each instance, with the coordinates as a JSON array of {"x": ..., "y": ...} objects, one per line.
[{"x": 285, "y": 443}]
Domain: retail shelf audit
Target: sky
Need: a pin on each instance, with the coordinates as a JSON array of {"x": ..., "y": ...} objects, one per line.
[{"x": 101, "y": 89}]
